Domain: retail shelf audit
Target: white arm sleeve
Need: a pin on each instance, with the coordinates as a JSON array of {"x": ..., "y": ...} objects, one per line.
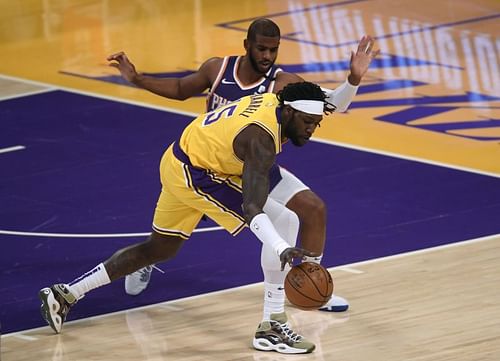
[
  {"x": 342, "y": 96},
  {"x": 263, "y": 228}
]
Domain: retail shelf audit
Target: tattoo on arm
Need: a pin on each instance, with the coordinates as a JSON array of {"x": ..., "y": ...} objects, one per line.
[{"x": 259, "y": 156}]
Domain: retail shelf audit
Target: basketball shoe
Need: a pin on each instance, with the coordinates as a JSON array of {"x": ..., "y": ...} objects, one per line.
[
  {"x": 335, "y": 304},
  {"x": 276, "y": 335},
  {"x": 137, "y": 282},
  {"x": 56, "y": 302}
]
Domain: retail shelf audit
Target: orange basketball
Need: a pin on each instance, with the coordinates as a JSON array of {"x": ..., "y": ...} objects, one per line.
[{"x": 308, "y": 286}]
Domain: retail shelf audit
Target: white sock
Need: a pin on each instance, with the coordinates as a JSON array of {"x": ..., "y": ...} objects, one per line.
[
  {"x": 274, "y": 300},
  {"x": 96, "y": 277}
]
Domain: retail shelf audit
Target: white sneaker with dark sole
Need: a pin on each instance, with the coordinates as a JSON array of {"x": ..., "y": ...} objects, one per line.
[
  {"x": 56, "y": 303},
  {"x": 276, "y": 335}
]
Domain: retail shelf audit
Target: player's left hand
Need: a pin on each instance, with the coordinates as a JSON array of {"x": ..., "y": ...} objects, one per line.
[{"x": 361, "y": 59}]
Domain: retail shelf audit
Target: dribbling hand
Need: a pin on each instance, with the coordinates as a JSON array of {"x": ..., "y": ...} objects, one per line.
[{"x": 289, "y": 254}]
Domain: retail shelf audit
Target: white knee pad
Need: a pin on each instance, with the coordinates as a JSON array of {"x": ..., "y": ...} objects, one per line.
[
  {"x": 287, "y": 187},
  {"x": 286, "y": 223}
]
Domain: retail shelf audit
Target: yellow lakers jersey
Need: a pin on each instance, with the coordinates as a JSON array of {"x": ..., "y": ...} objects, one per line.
[{"x": 208, "y": 140}]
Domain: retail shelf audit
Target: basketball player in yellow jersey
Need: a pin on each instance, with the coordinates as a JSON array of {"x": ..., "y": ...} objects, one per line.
[
  {"x": 233, "y": 77},
  {"x": 221, "y": 167},
  {"x": 201, "y": 138}
]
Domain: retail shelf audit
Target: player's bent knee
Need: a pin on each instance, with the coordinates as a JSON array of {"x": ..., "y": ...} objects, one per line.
[
  {"x": 162, "y": 247},
  {"x": 308, "y": 205}
]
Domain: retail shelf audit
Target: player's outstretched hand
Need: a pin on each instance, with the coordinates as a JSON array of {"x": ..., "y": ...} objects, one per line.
[
  {"x": 121, "y": 62},
  {"x": 361, "y": 59},
  {"x": 289, "y": 254}
]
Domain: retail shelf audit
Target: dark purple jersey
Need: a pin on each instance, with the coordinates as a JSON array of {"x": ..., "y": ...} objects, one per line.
[{"x": 227, "y": 87}]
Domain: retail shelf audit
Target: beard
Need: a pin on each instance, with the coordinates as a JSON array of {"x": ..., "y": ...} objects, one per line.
[
  {"x": 292, "y": 135},
  {"x": 255, "y": 65},
  {"x": 298, "y": 142}
]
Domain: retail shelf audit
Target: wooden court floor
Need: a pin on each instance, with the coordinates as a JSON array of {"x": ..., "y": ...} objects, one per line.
[{"x": 438, "y": 304}]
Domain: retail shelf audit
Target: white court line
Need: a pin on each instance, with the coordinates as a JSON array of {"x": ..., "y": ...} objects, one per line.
[
  {"x": 422, "y": 251},
  {"x": 350, "y": 270},
  {"x": 25, "y": 337},
  {"x": 12, "y": 149},
  {"x": 167, "y": 303},
  {"x": 27, "y": 93},
  {"x": 95, "y": 235},
  {"x": 171, "y": 307},
  {"x": 395, "y": 155},
  {"x": 315, "y": 139},
  {"x": 101, "y": 96}
]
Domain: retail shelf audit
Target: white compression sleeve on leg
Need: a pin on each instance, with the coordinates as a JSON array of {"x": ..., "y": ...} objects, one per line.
[
  {"x": 342, "y": 96},
  {"x": 286, "y": 224},
  {"x": 263, "y": 228}
]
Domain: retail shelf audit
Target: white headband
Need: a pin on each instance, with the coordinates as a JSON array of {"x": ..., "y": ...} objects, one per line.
[{"x": 307, "y": 106}]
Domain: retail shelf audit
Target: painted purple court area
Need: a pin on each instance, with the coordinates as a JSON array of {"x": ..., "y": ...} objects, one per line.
[{"x": 91, "y": 167}]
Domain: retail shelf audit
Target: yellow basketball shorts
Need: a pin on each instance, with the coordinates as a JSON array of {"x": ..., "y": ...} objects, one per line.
[{"x": 189, "y": 192}]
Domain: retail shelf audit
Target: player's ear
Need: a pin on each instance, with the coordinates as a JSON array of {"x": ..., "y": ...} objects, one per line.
[
  {"x": 245, "y": 44},
  {"x": 286, "y": 112}
]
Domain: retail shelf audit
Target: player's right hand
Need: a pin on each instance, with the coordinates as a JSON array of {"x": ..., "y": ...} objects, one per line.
[
  {"x": 289, "y": 254},
  {"x": 121, "y": 62}
]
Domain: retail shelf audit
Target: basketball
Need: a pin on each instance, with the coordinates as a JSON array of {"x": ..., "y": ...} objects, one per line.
[{"x": 308, "y": 286}]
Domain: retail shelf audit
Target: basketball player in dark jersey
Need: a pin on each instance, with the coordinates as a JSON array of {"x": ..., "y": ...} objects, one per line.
[{"x": 233, "y": 77}]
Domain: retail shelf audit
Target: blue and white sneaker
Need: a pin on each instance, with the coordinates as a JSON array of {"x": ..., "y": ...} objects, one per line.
[
  {"x": 138, "y": 281},
  {"x": 336, "y": 304}
]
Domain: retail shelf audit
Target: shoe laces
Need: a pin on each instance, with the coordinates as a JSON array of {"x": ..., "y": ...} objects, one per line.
[
  {"x": 286, "y": 329},
  {"x": 158, "y": 269},
  {"x": 144, "y": 272}
]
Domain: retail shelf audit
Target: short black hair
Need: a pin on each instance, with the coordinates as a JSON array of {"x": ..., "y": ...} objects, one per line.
[
  {"x": 264, "y": 27},
  {"x": 304, "y": 91}
]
